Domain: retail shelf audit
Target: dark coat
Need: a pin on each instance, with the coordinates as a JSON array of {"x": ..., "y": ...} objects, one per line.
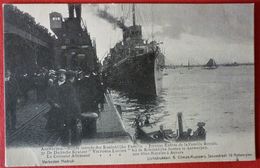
[
  {"x": 86, "y": 94},
  {"x": 54, "y": 120},
  {"x": 52, "y": 95},
  {"x": 68, "y": 100}
]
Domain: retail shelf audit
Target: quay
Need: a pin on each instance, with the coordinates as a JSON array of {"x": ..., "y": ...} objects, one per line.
[
  {"x": 110, "y": 127},
  {"x": 31, "y": 130}
]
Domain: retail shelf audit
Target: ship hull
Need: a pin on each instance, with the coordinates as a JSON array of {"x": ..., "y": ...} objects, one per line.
[{"x": 139, "y": 75}]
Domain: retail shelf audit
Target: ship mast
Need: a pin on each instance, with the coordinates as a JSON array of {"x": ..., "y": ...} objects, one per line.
[
  {"x": 133, "y": 12},
  {"x": 152, "y": 23}
]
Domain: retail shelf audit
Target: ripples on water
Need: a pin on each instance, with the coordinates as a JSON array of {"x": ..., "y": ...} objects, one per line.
[
  {"x": 219, "y": 97},
  {"x": 132, "y": 106}
]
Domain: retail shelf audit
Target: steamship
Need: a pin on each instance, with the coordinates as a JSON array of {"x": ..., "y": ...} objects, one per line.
[{"x": 134, "y": 65}]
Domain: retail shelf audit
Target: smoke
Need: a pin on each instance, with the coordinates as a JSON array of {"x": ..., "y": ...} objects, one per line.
[{"x": 102, "y": 13}]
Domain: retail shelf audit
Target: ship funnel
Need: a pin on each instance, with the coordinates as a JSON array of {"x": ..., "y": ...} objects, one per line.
[
  {"x": 133, "y": 11},
  {"x": 77, "y": 8}
]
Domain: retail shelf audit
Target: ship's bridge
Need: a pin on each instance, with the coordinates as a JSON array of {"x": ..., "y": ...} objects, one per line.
[
  {"x": 141, "y": 49},
  {"x": 132, "y": 33}
]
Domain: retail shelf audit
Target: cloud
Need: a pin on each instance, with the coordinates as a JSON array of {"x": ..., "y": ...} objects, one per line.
[{"x": 227, "y": 22}]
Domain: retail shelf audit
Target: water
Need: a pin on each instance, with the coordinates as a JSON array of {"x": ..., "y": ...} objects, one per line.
[{"x": 222, "y": 98}]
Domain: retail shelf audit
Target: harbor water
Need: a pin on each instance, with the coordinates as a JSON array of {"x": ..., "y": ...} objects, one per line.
[{"x": 223, "y": 98}]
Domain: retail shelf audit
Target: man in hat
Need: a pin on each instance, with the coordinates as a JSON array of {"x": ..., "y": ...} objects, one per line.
[
  {"x": 61, "y": 76},
  {"x": 55, "y": 93},
  {"x": 200, "y": 133},
  {"x": 71, "y": 111},
  {"x": 161, "y": 133}
]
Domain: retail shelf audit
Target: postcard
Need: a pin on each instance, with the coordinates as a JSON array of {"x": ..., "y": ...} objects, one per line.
[{"x": 106, "y": 84}]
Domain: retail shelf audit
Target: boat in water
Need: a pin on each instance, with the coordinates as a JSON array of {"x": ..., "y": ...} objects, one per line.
[
  {"x": 150, "y": 133},
  {"x": 211, "y": 64},
  {"x": 134, "y": 65}
]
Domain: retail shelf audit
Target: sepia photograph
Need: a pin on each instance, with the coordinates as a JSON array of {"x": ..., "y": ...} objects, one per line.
[{"x": 98, "y": 84}]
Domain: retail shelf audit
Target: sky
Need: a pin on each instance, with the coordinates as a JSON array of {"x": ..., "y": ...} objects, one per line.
[{"x": 188, "y": 32}]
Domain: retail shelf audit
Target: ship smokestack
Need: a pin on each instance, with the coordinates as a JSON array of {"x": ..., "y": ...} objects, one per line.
[
  {"x": 77, "y": 8},
  {"x": 133, "y": 11}
]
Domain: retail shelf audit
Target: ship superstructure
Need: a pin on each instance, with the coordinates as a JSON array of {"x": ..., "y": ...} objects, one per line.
[
  {"x": 74, "y": 48},
  {"x": 134, "y": 65}
]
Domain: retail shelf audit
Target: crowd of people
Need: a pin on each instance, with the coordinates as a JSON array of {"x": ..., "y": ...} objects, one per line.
[
  {"x": 26, "y": 22},
  {"x": 69, "y": 93}
]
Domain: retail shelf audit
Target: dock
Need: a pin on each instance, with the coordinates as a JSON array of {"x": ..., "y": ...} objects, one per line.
[
  {"x": 31, "y": 130},
  {"x": 110, "y": 128}
]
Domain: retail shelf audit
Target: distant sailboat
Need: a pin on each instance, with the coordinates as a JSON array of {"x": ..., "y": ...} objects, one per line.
[{"x": 211, "y": 64}]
